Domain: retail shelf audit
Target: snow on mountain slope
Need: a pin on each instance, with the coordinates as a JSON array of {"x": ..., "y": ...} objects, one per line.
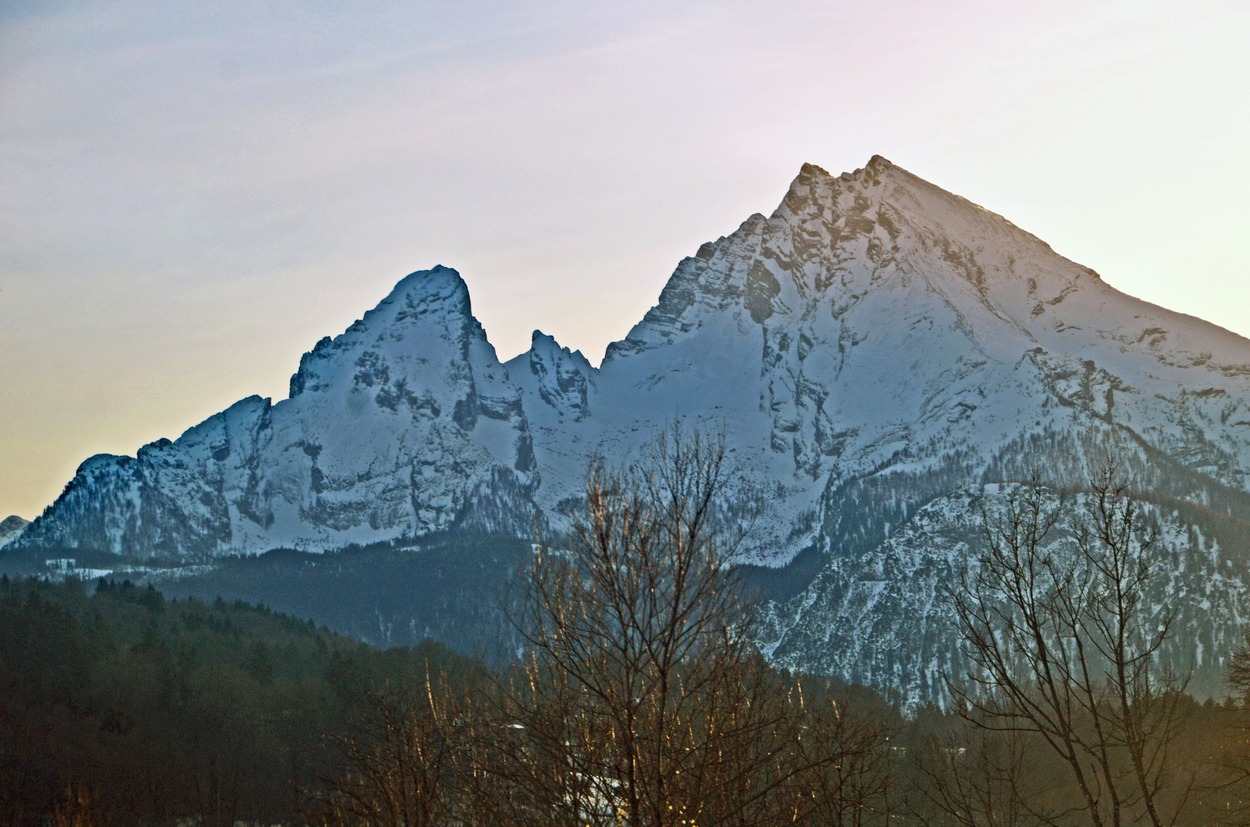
[
  {"x": 875, "y": 351},
  {"x": 889, "y": 310},
  {"x": 874, "y": 321},
  {"x": 883, "y": 616}
]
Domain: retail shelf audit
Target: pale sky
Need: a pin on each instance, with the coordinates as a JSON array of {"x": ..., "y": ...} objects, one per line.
[{"x": 192, "y": 194}]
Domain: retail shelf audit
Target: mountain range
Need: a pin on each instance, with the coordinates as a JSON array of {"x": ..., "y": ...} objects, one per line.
[{"x": 884, "y": 358}]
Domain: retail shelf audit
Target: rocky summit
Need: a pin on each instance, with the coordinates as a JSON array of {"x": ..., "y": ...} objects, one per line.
[{"x": 883, "y": 356}]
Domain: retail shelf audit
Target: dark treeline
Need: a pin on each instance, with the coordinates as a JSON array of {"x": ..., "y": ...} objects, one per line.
[
  {"x": 452, "y": 590},
  {"x": 122, "y": 707},
  {"x": 119, "y": 707}
]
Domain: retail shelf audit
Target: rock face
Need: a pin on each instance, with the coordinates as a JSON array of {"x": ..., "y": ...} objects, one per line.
[{"x": 877, "y": 351}]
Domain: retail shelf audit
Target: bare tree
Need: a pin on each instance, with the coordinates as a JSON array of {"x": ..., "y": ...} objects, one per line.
[
  {"x": 644, "y": 700},
  {"x": 979, "y": 777},
  {"x": 1238, "y": 670},
  {"x": 1231, "y": 763},
  {"x": 1064, "y": 643},
  {"x": 845, "y": 767},
  {"x": 400, "y": 764},
  {"x": 633, "y": 629}
]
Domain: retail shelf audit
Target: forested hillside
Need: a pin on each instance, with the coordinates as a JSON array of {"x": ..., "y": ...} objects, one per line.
[{"x": 118, "y": 706}]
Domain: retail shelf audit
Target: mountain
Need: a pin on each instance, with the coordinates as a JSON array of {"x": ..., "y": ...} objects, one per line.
[
  {"x": 881, "y": 355},
  {"x": 405, "y": 424},
  {"x": 10, "y": 527}
]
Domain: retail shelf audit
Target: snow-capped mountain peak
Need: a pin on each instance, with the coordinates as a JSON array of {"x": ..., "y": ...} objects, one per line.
[
  {"x": 874, "y": 348},
  {"x": 871, "y": 319},
  {"x": 562, "y": 379}
]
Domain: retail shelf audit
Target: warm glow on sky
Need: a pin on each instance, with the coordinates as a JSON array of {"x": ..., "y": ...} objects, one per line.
[{"x": 192, "y": 194}]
